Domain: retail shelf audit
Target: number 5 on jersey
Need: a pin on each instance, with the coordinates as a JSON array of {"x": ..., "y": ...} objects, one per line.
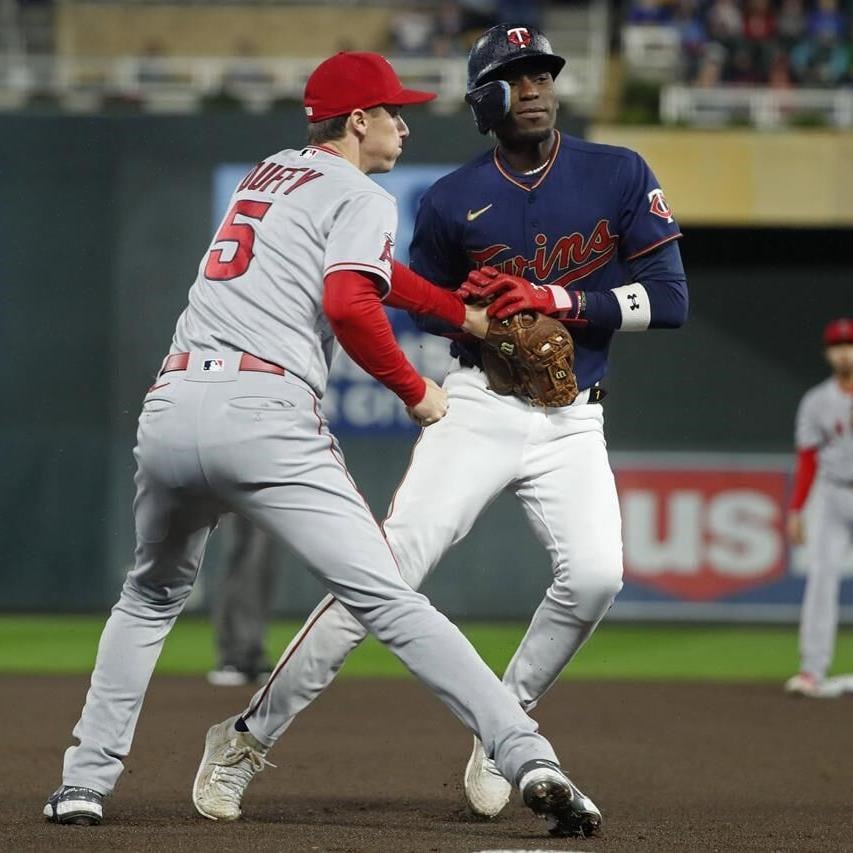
[{"x": 241, "y": 233}]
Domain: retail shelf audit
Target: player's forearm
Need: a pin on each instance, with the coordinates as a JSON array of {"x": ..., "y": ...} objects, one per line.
[
  {"x": 656, "y": 298},
  {"x": 638, "y": 306},
  {"x": 804, "y": 474},
  {"x": 351, "y": 303},
  {"x": 415, "y": 294}
]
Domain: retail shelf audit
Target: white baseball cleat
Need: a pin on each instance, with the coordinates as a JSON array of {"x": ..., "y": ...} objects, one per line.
[
  {"x": 486, "y": 790},
  {"x": 232, "y": 676},
  {"x": 230, "y": 761},
  {"x": 550, "y": 794},
  {"x": 804, "y": 684}
]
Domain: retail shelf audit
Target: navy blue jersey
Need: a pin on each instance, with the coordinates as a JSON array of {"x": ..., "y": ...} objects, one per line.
[{"x": 590, "y": 221}]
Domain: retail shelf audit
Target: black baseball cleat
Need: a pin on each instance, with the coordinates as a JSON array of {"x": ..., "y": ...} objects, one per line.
[
  {"x": 549, "y": 793},
  {"x": 78, "y": 806}
]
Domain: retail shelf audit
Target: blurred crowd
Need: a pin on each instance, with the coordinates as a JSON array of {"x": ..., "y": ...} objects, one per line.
[
  {"x": 777, "y": 43},
  {"x": 450, "y": 27}
]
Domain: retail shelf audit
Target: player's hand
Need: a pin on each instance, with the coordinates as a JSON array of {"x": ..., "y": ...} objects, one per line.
[
  {"x": 473, "y": 288},
  {"x": 476, "y": 321},
  {"x": 796, "y": 528},
  {"x": 508, "y": 294},
  {"x": 433, "y": 406},
  {"x": 511, "y": 294}
]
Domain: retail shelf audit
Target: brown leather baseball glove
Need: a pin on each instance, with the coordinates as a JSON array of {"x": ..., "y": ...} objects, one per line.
[{"x": 531, "y": 355}]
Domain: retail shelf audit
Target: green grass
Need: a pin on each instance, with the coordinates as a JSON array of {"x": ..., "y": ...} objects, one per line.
[{"x": 67, "y": 645}]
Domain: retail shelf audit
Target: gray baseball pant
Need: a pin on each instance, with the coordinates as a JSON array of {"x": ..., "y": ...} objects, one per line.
[{"x": 829, "y": 538}]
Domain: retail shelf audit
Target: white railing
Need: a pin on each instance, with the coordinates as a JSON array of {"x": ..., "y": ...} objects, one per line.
[
  {"x": 180, "y": 83},
  {"x": 580, "y": 34},
  {"x": 764, "y": 108},
  {"x": 651, "y": 52}
]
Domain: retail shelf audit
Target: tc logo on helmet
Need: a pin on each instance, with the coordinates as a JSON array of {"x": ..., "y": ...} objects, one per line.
[{"x": 519, "y": 36}]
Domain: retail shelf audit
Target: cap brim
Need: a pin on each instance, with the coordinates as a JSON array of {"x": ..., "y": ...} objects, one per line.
[{"x": 412, "y": 96}]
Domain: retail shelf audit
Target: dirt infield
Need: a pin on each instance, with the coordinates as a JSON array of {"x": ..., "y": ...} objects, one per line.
[{"x": 376, "y": 765}]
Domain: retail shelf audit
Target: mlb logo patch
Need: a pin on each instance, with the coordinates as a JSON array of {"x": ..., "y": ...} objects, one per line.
[{"x": 213, "y": 365}]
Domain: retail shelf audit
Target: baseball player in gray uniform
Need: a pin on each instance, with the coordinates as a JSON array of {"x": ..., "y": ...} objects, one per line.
[
  {"x": 824, "y": 441},
  {"x": 234, "y": 423}
]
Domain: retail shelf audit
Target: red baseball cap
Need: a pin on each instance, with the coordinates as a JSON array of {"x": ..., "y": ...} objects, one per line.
[
  {"x": 839, "y": 331},
  {"x": 355, "y": 81}
]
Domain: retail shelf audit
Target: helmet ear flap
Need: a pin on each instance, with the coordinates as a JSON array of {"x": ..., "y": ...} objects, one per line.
[{"x": 489, "y": 103}]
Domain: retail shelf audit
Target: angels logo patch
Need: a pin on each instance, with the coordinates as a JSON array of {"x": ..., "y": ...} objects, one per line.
[
  {"x": 519, "y": 37},
  {"x": 658, "y": 205},
  {"x": 386, "y": 255}
]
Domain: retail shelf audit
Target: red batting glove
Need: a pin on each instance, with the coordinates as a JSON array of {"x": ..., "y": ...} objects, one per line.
[
  {"x": 471, "y": 290},
  {"x": 508, "y": 294},
  {"x": 513, "y": 294}
]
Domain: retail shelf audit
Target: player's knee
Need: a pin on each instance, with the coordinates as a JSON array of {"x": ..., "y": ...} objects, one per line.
[
  {"x": 152, "y": 601},
  {"x": 589, "y": 586}
]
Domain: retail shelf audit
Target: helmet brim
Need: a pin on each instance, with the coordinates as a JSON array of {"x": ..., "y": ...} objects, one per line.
[{"x": 550, "y": 61}]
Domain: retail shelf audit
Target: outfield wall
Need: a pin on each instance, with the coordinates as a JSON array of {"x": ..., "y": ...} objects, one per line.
[
  {"x": 703, "y": 540},
  {"x": 102, "y": 223}
]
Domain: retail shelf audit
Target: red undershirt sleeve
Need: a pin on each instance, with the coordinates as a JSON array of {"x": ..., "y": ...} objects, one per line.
[
  {"x": 351, "y": 303},
  {"x": 414, "y": 293},
  {"x": 804, "y": 475}
]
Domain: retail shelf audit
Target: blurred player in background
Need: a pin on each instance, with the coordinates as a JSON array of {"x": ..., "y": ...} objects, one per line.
[
  {"x": 824, "y": 442},
  {"x": 241, "y": 605}
]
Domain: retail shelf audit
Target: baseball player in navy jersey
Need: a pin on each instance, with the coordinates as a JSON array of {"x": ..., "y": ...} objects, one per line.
[
  {"x": 577, "y": 230},
  {"x": 234, "y": 423},
  {"x": 824, "y": 441}
]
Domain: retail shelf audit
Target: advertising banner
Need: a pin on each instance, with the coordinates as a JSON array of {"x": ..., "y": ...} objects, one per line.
[{"x": 704, "y": 538}]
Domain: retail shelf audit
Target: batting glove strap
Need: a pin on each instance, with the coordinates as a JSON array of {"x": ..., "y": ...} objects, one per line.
[{"x": 568, "y": 304}]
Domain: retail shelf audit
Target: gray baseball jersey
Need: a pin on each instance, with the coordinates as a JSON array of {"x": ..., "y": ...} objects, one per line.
[
  {"x": 296, "y": 217},
  {"x": 825, "y": 421}
]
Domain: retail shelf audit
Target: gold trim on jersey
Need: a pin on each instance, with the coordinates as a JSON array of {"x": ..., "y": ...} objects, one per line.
[{"x": 512, "y": 180}]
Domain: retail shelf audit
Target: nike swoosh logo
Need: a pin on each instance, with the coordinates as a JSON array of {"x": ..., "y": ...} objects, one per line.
[{"x": 472, "y": 215}]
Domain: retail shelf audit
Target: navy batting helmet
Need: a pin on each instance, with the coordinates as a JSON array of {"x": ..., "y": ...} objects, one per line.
[
  {"x": 504, "y": 45},
  {"x": 496, "y": 51}
]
